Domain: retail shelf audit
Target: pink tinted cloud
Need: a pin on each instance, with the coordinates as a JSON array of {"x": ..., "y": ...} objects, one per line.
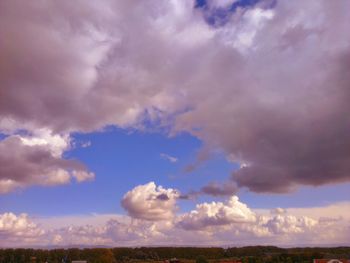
[{"x": 269, "y": 88}]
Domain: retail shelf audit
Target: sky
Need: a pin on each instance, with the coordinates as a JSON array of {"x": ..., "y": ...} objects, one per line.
[{"x": 176, "y": 122}]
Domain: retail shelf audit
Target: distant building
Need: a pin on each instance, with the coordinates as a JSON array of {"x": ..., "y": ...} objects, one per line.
[
  {"x": 331, "y": 261},
  {"x": 173, "y": 260}
]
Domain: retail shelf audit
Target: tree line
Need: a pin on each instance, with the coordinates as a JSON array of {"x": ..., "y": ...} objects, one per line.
[{"x": 250, "y": 254}]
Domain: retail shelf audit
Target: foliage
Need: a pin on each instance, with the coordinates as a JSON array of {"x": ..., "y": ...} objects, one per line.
[
  {"x": 201, "y": 259},
  {"x": 251, "y": 254}
]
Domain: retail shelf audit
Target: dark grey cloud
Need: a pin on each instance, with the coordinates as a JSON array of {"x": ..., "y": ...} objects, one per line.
[
  {"x": 307, "y": 141},
  {"x": 217, "y": 189}
]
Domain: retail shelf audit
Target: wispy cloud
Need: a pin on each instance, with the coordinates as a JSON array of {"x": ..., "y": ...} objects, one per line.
[
  {"x": 168, "y": 157},
  {"x": 86, "y": 144}
]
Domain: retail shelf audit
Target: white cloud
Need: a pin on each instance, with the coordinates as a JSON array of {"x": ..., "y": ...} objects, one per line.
[
  {"x": 332, "y": 210},
  {"x": 217, "y": 214},
  {"x": 150, "y": 202},
  {"x": 56, "y": 143},
  {"x": 19, "y": 229},
  {"x": 286, "y": 224},
  {"x": 86, "y": 144},
  {"x": 82, "y": 176},
  {"x": 278, "y": 211}
]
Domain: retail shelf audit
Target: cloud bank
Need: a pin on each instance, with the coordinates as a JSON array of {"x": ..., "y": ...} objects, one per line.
[
  {"x": 18, "y": 229},
  {"x": 270, "y": 87},
  {"x": 217, "y": 223}
]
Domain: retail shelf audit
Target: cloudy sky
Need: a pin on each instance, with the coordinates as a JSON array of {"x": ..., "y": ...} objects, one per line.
[{"x": 175, "y": 122}]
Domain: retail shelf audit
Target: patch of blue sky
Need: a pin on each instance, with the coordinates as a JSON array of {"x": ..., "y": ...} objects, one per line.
[
  {"x": 220, "y": 16},
  {"x": 21, "y": 132},
  {"x": 2, "y": 136}
]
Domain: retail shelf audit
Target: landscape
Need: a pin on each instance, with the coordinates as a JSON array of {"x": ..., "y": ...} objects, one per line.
[
  {"x": 253, "y": 254},
  {"x": 195, "y": 131}
]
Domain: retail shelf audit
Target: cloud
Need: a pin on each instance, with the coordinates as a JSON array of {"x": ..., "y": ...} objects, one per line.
[
  {"x": 216, "y": 214},
  {"x": 269, "y": 87},
  {"x": 150, "y": 202},
  {"x": 217, "y": 223},
  {"x": 216, "y": 189},
  {"x": 31, "y": 160},
  {"x": 235, "y": 223},
  {"x": 121, "y": 231},
  {"x": 285, "y": 224},
  {"x": 85, "y": 56},
  {"x": 85, "y": 144},
  {"x": 168, "y": 157},
  {"x": 19, "y": 228},
  {"x": 45, "y": 80},
  {"x": 281, "y": 230},
  {"x": 335, "y": 210},
  {"x": 83, "y": 235},
  {"x": 288, "y": 123},
  {"x": 278, "y": 211}
]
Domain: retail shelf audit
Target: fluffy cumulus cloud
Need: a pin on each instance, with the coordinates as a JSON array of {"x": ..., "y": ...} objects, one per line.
[
  {"x": 37, "y": 160},
  {"x": 269, "y": 86},
  {"x": 216, "y": 214},
  {"x": 234, "y": 222},
  {"x": 283, "y": 224},
  {"x": 150, "y": 202},
  {"x": 18, "y": 228}
]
